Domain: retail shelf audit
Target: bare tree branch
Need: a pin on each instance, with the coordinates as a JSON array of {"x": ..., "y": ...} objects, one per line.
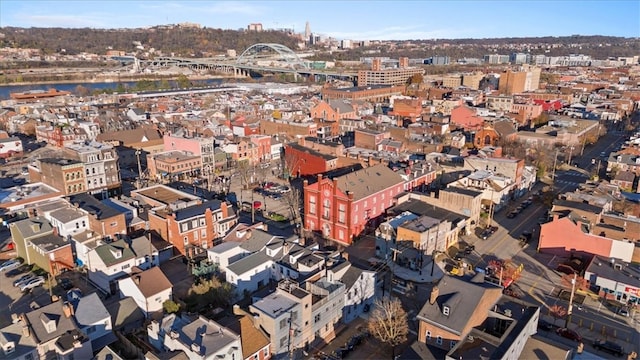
[{"x": 388, "y": 322}]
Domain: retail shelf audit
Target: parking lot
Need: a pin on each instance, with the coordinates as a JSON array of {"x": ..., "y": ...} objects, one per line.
[{"x": 17, "y": 302}]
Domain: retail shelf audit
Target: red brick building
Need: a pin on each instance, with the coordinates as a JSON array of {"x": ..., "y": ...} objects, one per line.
[
  {"x": 301, "y": 160},
  {"x": 333, "y": 110},
  {"x": 263, "y": 147},
  {"x": 369, "y": 139},
  {"x": 565, "y": 236},
  {"x": 375, "y": 93},
  {"x": 341, "y": 207},
  {"x": 193, "y": 228},
  {"x": 466, "y": 118}
]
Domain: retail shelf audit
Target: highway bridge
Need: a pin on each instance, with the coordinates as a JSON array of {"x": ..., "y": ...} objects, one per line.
[{"x": 258, "y": 58}]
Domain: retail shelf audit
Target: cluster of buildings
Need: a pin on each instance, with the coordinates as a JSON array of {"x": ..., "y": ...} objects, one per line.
[{"x": 415, "y": 160}]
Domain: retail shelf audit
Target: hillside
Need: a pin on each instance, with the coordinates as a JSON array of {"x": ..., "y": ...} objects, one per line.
[{"x": 178, "y": 40}]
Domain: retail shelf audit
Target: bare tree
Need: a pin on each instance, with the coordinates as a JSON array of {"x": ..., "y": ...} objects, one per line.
[
  {"x": 246, "y": 173},
  {"x": 293, "y": 199},
  {"x": 558, "y": 312},
  {"x": 388, "y": 323}
]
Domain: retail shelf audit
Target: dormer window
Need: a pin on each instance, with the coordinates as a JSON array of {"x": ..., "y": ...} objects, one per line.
[{"x": 445, "y": 310}]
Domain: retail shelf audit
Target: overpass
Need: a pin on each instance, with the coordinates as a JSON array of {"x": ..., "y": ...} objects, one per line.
[{"x": 258, "y": 58}]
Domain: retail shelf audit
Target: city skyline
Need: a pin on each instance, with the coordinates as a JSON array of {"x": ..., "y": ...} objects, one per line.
[{"x": 376, "y": 20}]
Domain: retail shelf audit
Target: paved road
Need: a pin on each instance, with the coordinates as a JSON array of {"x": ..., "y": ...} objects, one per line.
[{"x": 539, "y": 282}]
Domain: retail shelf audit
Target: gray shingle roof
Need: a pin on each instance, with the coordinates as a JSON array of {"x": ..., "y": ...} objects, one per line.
[
  {"x": 106, "y": 252},
  {"x": 463, "y": 298},
  {"x": 33, "y": 227},
  {"x": 365, "y": 182},
  {"x": 52, "y": 314},
  {"x": 94, "y": 207},
  {"x": 89, "y": 310},
  {"x": 248, "y": 263}
]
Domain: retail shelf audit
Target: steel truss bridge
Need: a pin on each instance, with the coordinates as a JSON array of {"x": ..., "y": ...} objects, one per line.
[{"x": 258, "y": 58}]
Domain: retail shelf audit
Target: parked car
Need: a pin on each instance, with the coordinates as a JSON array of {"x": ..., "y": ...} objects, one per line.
[
  {"x": 569, "y": 334},
  {"x": 33, "y": 283},
  {"x": 608, "y": 346},
  {"x": 512, "y": 215},
  {"x": 24, "y": 279},
  {"x": 469, "y": 249},
  {"x": 10, "y": 264},
  {"x": 624, "y": 312},
  {"x": 565, "y": 269}
]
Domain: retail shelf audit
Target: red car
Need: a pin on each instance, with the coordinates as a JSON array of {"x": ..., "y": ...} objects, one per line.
[{"x": 569, "y": 334}]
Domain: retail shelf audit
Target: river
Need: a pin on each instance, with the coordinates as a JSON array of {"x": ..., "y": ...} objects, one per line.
[{"x": 6, "y": 90}]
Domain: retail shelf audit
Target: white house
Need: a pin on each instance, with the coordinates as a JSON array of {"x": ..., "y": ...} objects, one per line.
[
  {"x": 10, "y": 146},
  {"x": 360, "y": 289},
  {"x": 94, "y": 320},
  {"x": 149, "y": 289},
  {"x": 250, "y": 272},
  {"x": 226, "y": 253},
  {"x": 69, "y": 220},
  {"x": 108, "y": 262}
]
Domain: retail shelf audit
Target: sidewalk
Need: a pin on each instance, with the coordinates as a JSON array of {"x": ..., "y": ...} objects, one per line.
[{"x": 418, "y": 276}]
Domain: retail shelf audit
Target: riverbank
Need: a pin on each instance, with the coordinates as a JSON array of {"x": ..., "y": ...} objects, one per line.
[{"x": 121, "y": 79}]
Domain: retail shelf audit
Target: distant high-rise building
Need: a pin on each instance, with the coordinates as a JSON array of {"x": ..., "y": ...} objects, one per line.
[
  {"x": 307, "y": 31},
  {"x": 255, "y": 27}
]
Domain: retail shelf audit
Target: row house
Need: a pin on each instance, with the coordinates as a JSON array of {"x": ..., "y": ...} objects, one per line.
[
  {"x": 262, "y": 144},
  {"x": 190, "y": 229},
  {"x": 322, "y": 145},
  {"x": 196, "y": 338},
  {"x": 65, "y": 175},
  {"x": 409, "y": 110},
  {"x": 462, "y": 318},
  {"x": 369, "y": 139},
  {"x": 296, "y": 317},
  {"x": 149, "y": 288},
  {"x": 288, "y": 128},
  {"x": 340, "y": 208},
  {"x": 60, "y": 137},
  {"x": 10, "y": 146},
  {"x": 37, "y": 243},
  {"x": 255, "y": 343},
  {"x": 173, "y": 164},
  {"x": 624, "y": 162},
  {"x": 106, "y": 220},
  {"x": 198, "y": 146},
  {"x": 361, "y": 288},
  {"x": 301, "y": 161},
  {"x": 496, "y": 189},
  {"x": 466, "y": 118},
  {"x": 242, "y": 150},
  {"x": 101, "y": 168},
  {"x": 47, "y": 332}
]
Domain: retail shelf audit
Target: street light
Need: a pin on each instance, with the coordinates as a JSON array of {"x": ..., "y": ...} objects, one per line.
[{"x": 139, "y": 169}]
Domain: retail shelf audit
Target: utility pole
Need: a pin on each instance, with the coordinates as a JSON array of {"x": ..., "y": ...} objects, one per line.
[
  {"x": 139, "y": 169},
  {"x": 573, "y": 291},
  {"x": 553, "y": 174},
  {"x": 570, "y": 153}
]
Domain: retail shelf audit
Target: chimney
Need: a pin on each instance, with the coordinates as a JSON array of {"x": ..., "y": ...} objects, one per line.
[
  {"x": 434, "y": 295},
  {"x": 67, "y": 309},
  {"x": 26, "y": 332}
]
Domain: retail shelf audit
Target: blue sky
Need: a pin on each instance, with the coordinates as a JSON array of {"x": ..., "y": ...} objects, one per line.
[{"x": 355, "y": 20}]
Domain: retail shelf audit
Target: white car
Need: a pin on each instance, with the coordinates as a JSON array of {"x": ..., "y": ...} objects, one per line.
[
  {"x": 24, "y": 279},
  {"x": 624, "y": 312},
  {"x": 32, "y": 284},
  {"x": 10, "y": 264}
]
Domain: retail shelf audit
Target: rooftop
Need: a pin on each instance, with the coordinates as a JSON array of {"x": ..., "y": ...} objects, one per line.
[
  {"x": 164, "y": 194},
  {"x": 176, "y": 156},
  {"x": 275, "y": 304},
  {"x": 93, "y": 206},
  {"x": 25, "y": 192},
  {"x": 616, "y": 270}
]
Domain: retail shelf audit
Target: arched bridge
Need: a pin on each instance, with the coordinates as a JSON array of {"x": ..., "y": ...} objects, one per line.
[{"x": 259, "y": 58}]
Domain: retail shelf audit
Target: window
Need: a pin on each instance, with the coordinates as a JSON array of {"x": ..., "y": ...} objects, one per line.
[
  {"x": 312, "y": 204},
  {"x": 186, "y": 240},
  {"x": 194, "y": 223},
  {"x": 184, "y": 227},
  {"x": 316, "y": 318},
  {"x": 203, "y": 233},
  {"x": 428, "y": 335},
  {"x": 326, "y": 208},
  {"x": 283, "y": 341},
  {"x": 445, "y": 310},
  {"x": 283, "y": 323},
  {"x": 452, "y": 344},
  {"x": 125, "y": 266},
  {"x": 439, "y": 340},
  {"x": 266, "y": 352}
]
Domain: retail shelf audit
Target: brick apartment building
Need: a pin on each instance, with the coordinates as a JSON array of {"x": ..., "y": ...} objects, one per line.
[
  {"x": 375, "y": 93},
  {"x": 302, "y": 161},
  {"x": 341, "y": 207},
  {"x": 65, "y": 175}
]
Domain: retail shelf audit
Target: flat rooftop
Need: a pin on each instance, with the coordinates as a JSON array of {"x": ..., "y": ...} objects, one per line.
[
  {"x": 25, "y": 192},
  {"x": 275, "y": 304},
  {"x": 175, "y": 156},
  {"x": 165, "y": 194}
]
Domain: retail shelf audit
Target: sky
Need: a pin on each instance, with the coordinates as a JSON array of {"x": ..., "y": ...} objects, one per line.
[{"x": 355, "y": 20}]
